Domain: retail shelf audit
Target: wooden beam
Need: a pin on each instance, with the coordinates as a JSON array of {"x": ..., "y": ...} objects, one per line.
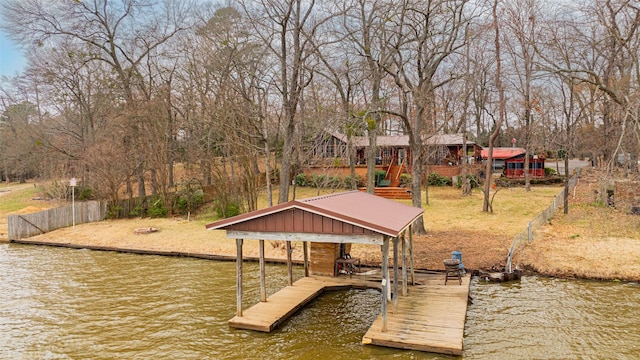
[
  {"x": 404, "y": 264},
  {"x": 305, "y": 251},
  {"x": 385, "y": 281},
  {"x": 413, "y": 275},
  {"x": 289, "y": 264},
  {"x": 263, "y": 286},
  {"x": 239, "y": 277},
  {"x": 372, "y": 239},
  {"x": 395, "y": 273}
]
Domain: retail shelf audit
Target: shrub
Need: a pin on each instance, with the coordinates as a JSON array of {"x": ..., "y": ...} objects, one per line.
[
  {"x": 137, "y": 211},
  {"x": 158, "y": 209},
  {"x": 347, "y": 181},
  {"x": 318, "y": 181},
  {"x": 301, "y": 180},
  {"x": 435, "y": 179},
  {"x": 113, "y": 212},
  {"x": 473, "y": 180},
  {"x": 188, "y": 200},
  {"x": 549, "y": 171},
  {"x": 231, "y": 209},
  {"x": 405, "y": 180},
  {"x": 379, "y": 176},
  {"x": 335, "y": 182},
  {"x": 84, "y": 193}
]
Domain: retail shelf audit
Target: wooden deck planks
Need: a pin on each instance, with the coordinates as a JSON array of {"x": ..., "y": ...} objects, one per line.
[
  {"x": 266, "y": 316},
  {"x": 430, "y": 319}
]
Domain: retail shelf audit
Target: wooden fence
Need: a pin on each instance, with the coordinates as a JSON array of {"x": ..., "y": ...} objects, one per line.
[
  {"x": 526, "y": 235},
  {"x": 27, "y": 225}
]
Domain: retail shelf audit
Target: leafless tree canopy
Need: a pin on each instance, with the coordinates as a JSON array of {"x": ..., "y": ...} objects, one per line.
[{"x": 121, "y": 93}]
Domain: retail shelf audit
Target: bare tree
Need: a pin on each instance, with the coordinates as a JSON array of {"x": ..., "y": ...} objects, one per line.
[
  {"x": 123, "y": 34},
  {"x": 287, "y": 29},
  {"x": 424, "y": 37},
  {"x": 486, "y": 204}
]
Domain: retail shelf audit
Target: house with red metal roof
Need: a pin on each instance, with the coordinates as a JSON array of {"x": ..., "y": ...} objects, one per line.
[{"x": 511, "y": 161}]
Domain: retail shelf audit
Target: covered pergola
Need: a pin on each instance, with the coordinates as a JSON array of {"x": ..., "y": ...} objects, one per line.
[{"x": 326, "y": 221}]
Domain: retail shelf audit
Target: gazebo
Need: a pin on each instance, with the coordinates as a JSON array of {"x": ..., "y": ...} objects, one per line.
[{"x": 324, "y": 223}]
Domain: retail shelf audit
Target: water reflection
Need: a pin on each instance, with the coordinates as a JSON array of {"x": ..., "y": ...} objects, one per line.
[
  {"x": 61, "y": 303},
  {"x": 554, "y": 319}
]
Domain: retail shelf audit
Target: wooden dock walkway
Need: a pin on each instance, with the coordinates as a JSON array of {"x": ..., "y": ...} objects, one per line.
[
  {"x": 431, "y": 318},
  {"x": 266, "y": 316}
]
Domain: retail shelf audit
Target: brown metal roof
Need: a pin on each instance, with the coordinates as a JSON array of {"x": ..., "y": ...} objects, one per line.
[
  {"x": 353, "y": 212},
  {"x": 403, "y": 140}
]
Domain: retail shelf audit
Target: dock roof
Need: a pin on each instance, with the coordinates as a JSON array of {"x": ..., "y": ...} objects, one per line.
[{"x": 345, "y": 214}]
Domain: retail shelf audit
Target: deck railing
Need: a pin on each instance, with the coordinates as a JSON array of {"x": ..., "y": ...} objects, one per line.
[{"x": 526, "y": 235}]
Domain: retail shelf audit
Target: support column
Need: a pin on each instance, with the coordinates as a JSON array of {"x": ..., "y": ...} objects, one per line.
[
  {"x": 263, "y": 286},
  {"x": 239, "y": 277},
  {"x": 395, "y": 273},
  {"x": 306, "y": 258},
  {"x": 404, "y": 264},
  {"x": 289, "y": 264},
  {"x": 413, "y": 277},
  {"x": 385, "y": 280}
]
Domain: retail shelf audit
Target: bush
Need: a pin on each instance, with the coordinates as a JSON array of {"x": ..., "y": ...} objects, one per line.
[
  {"x": 113, "y": 212},
  {"x": 301, "y": 180},
  {"x": 84, "y": 193},
  {"x": 347, "y": 181},
  {"x": 158, "y": 209},
  {"x": 405, "y": 180},
  {"x": 137, "y": 211},
  {"x": 434, "y": 179},
  {"x": 549, "y": 171},
  {"x": 379, "y": 176},
  {"x": 335, "y": 182},
  {"x": 319, "y": 181},
  {"x": 231, "y": 209},
  {"x": 187, "y": 201},
  {"x": 473, "y": 180}
]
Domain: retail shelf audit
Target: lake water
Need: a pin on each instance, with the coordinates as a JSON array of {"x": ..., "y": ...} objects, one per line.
[{"x": 58, "y": 303}]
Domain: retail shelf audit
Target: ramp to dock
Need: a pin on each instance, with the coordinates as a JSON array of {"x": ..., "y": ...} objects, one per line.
[
  {"x": 266, "y": 316},
  {"x": 430, "y": 319}
]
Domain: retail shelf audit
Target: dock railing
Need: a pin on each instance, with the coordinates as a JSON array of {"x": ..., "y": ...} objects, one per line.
[{"x": 526, "y": 235}]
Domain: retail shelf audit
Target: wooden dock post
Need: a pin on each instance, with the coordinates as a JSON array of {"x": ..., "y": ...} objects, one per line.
[
  {"x": 395, "y": 273},
  {"x": 289, "y": 264},
  {"x": 413, "y": 275},
  {"x": 385, "y": 280},
  {"x": 404, "y": 264},
  {"x": 263, "y": 286},
  {"x": 305, "y": 252},
  {"x": 239, "y": 277}
]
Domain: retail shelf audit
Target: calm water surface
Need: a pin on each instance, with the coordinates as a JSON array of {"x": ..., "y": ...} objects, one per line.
[{"x": 74, "y": 304}]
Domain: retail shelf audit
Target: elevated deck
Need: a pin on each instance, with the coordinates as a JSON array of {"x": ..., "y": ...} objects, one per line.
[{"x": 431, "y": 318}]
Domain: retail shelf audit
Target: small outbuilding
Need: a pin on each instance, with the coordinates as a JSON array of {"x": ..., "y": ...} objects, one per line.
[{"x": 511, "y": 161}]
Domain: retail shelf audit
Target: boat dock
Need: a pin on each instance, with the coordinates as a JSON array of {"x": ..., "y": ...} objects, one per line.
[{"x": 431, "y": 318}]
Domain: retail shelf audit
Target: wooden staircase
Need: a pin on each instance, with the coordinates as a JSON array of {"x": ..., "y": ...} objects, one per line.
[{"x": 391, "y": 192}]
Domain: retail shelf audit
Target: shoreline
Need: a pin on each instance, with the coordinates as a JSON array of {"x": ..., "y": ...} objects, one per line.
[{"x": 527, "y": 270}]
